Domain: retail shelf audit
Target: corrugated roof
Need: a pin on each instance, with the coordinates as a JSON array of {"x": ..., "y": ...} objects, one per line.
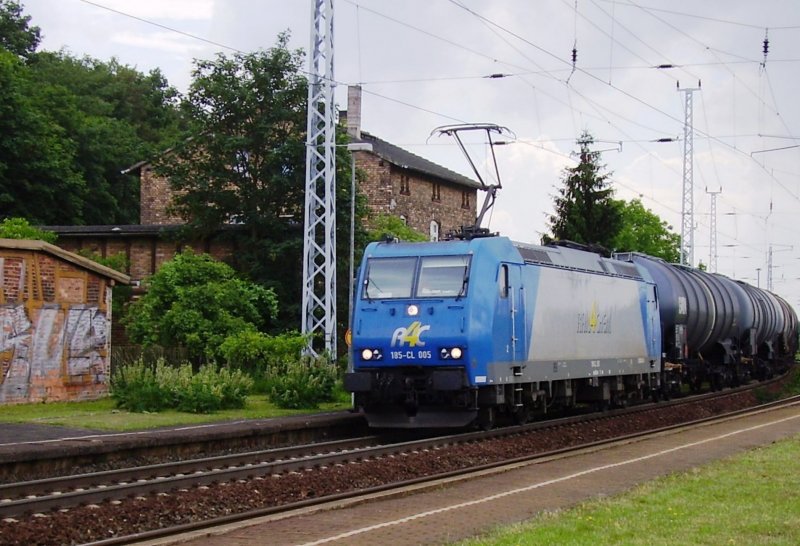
[
  {"x": 405, "y": 159},
  {"x": 80, "y": 261}
]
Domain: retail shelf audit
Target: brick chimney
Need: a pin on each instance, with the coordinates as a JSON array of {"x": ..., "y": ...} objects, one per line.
[{"x": 354, "y": 111}]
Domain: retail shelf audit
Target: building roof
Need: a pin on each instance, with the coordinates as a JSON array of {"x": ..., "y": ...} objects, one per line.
[
  {"x": 127, "y": 230},
  {"x": 80, "y": 261},
  {"x": 406, "y": 160},
  {"x": 121, "y": 230}
]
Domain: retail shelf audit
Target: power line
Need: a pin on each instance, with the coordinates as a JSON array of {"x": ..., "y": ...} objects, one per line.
[
  {"x": 695, "y": 16},
  {"x": 159, "y": 25}
]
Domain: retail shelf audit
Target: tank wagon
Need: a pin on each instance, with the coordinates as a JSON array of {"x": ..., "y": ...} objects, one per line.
[{"x": 461, "y": 332}]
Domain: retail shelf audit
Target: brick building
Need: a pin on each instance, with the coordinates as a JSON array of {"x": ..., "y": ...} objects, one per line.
[
  {"x": 55, "y": 323},
  {"x": 428, "y": 197}
]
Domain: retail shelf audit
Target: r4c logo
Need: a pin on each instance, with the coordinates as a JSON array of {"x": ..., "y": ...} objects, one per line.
[{"x": 410, "y": 336}]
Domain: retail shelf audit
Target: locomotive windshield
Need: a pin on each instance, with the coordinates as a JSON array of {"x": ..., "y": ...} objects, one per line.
[
  {"x": 390, "y": 278},
  {"x": 443, "y": 276},
  {"x": 437, "y": 277}
]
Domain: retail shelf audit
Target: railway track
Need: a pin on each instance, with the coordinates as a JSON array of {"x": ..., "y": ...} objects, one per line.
[{"x": 42, "y": 497}]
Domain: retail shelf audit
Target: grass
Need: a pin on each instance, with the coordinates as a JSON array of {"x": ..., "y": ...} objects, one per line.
[
  {"x": 749, "y": 499},
  {"x": 103, "y": 415}
]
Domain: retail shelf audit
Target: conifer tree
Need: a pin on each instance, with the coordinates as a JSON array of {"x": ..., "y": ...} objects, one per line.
[{"x": 585, "y": 209}]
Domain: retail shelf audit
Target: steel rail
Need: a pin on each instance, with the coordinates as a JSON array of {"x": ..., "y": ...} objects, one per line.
[
  {"x": 39, "y": 496},
  {"x": 363, "y": 493}
]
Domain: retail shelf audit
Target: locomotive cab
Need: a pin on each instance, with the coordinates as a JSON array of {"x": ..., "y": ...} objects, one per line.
[{"x": 410, "y": 342}]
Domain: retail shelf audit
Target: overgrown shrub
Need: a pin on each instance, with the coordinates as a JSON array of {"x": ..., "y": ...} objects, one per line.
[
  {"x": 196, "y": 302},
  {"x": 303, "y": 384},
  {"x": 143, "y": 387},
  {"x": 138, "y": 387},
  {"x": 259, "y": 352}
]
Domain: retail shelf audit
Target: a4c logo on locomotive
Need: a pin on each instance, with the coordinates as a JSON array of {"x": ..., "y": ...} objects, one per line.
[{"x": 410, "y": 336}]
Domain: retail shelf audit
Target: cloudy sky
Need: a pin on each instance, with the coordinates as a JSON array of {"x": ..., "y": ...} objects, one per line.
[{"x": 424, "y": 63}]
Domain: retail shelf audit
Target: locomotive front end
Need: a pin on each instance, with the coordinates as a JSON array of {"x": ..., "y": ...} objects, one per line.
[{"x": 409, "y": 338}]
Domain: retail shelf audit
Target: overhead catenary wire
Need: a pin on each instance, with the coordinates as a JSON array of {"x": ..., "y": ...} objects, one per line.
[{"x": 551, "y": 74}]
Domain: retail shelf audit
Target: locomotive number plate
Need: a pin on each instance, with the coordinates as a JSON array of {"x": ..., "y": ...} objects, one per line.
[{"x": 411, "y": 355}]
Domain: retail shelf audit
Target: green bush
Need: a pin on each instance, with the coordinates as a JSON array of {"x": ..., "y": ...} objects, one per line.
[
  {"x": 137, "y": 387},
  {"x": 259, "y": 352},
  {"x": 143, "y": 387},
  {"x": 194, "y": 301},
  {"x": 303, "y": 384}
]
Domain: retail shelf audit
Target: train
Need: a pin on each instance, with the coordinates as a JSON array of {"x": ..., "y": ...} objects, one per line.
[{"x": 477, "y": 330}]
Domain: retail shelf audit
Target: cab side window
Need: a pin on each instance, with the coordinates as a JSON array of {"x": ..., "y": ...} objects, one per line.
[{"x": 502, "y": 280}]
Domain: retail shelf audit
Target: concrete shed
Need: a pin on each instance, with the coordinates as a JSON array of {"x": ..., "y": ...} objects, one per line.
[{"x": 55, "y": 323}]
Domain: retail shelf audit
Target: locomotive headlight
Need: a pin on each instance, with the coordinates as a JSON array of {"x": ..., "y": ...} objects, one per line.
[
  {"x": 371, "y": 354},
  {"x": 412, "y": 310},
  {"x": 451, "y": 353}
]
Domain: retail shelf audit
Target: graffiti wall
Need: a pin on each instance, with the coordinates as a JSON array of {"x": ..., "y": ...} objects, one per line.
[{"x": 54, "y": 330}]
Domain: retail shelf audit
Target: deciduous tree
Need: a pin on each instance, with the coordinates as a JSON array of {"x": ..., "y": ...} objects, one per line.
[
  {"x": 16, "y": 34},
  {"x": 643, "y": 231}
]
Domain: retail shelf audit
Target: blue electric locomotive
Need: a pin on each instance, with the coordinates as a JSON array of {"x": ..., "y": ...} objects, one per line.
[
  {"x": 456, "y": 332},
  {"x": 460, "y": 332}
]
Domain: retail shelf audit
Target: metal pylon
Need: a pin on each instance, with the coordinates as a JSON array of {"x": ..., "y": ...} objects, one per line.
[
  {"x": 319, "y": 239},
  {"x": 687, "y": 203},
  {"x": 712, "y": 252}
]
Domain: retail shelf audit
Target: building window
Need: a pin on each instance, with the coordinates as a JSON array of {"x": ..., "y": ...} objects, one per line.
[
  {"x": 437, "y": 192},
  {"x": 465, "y": 199},
  {"x": 434, "y": 230},
  {"x": 405, "y": 186}
]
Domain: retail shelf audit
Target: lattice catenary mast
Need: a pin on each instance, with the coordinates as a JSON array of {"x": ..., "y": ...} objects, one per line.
[
  {"x": 687, "y": 206},
  {"x": 712, "y": 252},
  {"x": 319, "y": 236}
]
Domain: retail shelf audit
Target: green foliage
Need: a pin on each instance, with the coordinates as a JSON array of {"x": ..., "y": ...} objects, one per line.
[
  {"x": 70, "y": 125},
  {"x": 141, "y": 387},
  {"x": 16, "y": 34},
  {"x": 38, "y": 180},
  {"x": 643, "y": 231},
  {"x": 585, "y": 211},
  {"x": 259, "y": 352},
  {"x": 386, "y": 225},
  {"x": 19, "y": 228},
  {"x": 197, "y": 302},
  {"x": 304, "y": 383},
  {"x": 117, "y": 262},
  {"x": 136, "y": 388}
]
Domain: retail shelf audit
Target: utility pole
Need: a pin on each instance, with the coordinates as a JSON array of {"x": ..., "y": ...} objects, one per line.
[
  {"x": 687, "y": 203},
  {"x": 712, "y": 253},
  {"x": 319, "y": 235},
  {"x": 769, "y": 269},
  {"x": 769, "y": 262}
]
